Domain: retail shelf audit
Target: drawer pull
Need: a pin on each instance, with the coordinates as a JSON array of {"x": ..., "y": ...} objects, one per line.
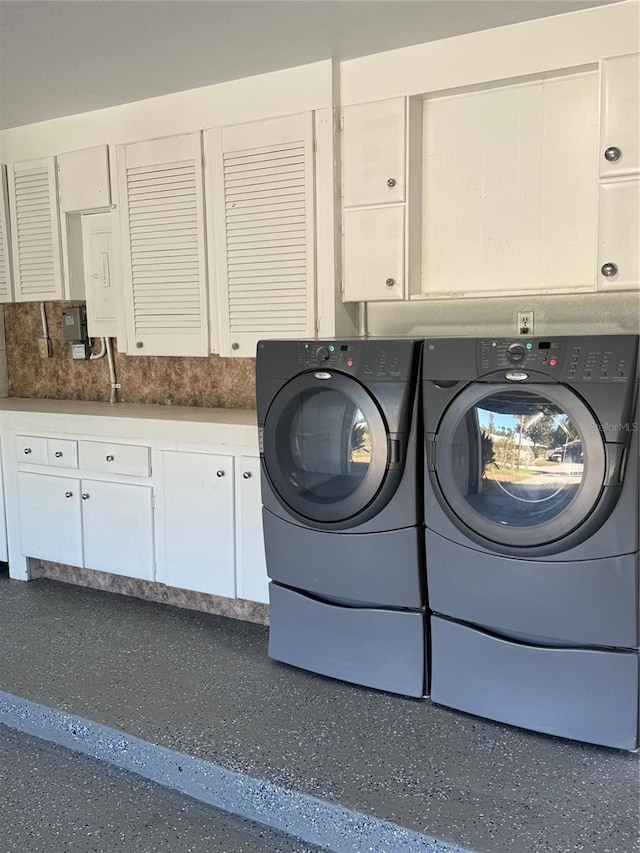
[
  {"x": 219, "y": 473},
  {"x": 612, "y": 154},
  {"x": 85, "y": 496},
  {"x": 110, "y": 458},
  {"x": 58, "y": 454},
  {"x": 27, "y": 450},
  {"x": 609, "y": 270},
  {"x": 247, "y": 475},
  {"x": 68, "y": 494}
]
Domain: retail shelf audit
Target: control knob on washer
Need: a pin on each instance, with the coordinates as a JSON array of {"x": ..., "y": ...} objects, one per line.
[
  {"x": 322, "y": 353},
  {"x": 515, "y": 352}
]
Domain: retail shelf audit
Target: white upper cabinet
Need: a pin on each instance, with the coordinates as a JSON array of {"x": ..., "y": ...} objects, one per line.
[
  {"x": 162, "y": 221},
  {"x": 620, "y": 116},
  {"x": 261, "y": 184},
  {"x": 83, "y": 179},
  {"x": 619, "y": 228},
  {"x": 35, "y": 230},
  {"x": 510, "y": 188},
  {"x": 374, "y": 152},
  {"x": 381, "y": 193},
  {"x": 6, "y": 278}
]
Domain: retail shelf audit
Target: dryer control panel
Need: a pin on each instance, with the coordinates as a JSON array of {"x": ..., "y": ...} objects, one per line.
[
  {"x": 367, "y": 360},
  {"x": 588, "y": 358}
]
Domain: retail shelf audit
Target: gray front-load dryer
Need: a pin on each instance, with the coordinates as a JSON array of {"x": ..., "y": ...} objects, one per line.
[
  {"x": 342, "y": 508},
  {"x": 531, "y": 507}
]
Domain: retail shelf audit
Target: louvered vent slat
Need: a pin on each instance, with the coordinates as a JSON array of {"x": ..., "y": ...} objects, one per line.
[
  {"x": 266, "y": 230},
  {"x": 165, "y": 260},
  {"x": 34, "y": 232}
]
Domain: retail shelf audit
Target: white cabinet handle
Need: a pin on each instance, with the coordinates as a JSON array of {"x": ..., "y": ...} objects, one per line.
[
  {"x": 68, "y": 494},
  {"x": 27, "y": 450},
  {"x": 219, "y": 473},
  {"x": 247, "y": 474},
  {"x": 58, "y": 454},
  {"x": 110, "y": 458},
  {"x": 85, "y": 496}
]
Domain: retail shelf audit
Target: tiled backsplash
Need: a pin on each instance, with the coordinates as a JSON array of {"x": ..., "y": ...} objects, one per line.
[{"x": 211, "y": 381}]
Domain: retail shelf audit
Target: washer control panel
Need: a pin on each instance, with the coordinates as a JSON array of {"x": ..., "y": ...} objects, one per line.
[
  {"x": 602, "y": 358},
  {"x": 365, "y": 359}
]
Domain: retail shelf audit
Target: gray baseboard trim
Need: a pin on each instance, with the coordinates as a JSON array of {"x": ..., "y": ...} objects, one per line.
[{"x": 315, "y": 821}]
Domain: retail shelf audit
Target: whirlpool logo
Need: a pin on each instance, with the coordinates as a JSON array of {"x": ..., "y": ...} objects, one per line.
[{"x": 626, "y": 426}]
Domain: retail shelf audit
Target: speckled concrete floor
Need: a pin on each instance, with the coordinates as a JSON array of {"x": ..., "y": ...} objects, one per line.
[
  {"x": 204, "y": 685},
  {"x": 53, "y": 800}
]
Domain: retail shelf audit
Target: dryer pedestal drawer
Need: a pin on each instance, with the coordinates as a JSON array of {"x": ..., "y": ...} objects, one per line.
[
  {"x": 384, "y": 649},
  {"x": 584, "y": 694}
]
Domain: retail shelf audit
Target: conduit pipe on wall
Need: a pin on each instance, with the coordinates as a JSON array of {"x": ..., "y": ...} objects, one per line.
[
  {"x": 43, "y": 314},
  {"x": 362, "y": 320},
  {"x": 112, "y": 372},
  {"x": 103, "y": 350}
]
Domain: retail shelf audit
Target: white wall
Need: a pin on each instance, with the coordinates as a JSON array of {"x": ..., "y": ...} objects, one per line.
[{"x": 307, "y": 87}]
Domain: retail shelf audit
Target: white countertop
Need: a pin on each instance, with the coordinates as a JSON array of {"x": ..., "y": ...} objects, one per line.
[{"x": 191, "y": 424}]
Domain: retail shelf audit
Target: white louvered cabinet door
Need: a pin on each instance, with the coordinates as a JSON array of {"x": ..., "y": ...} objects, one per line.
[
  {"x": 163, "y": 246},
  {"x": 35, "y": 230},
  {"x": 6, "y": 279},
  {"x": 262, "y": 185}
]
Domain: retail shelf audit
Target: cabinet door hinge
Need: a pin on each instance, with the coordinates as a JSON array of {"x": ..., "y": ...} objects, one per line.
[
  {"x": 342, "y": 286},
  {"x": 315, "y": 144},
  {"x": 341, "y": 121}
]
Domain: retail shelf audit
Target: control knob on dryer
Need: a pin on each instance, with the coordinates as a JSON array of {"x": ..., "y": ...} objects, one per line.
[
  {"x": 322, "y": 353},
  {"x": 515, "y": 352}
]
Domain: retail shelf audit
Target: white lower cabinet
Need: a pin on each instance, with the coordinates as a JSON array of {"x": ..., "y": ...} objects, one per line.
[
  {"x": 87, "y": 523},
  {"x": 117, "y": 523},
  {"x": 198, "y": 522},
  {"x": 252, "y": 580}
]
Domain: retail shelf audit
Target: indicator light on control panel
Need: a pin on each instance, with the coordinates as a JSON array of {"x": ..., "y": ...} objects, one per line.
[
  {"x": 553, "y": 362},
  {"x": 529, "y": 345},
  {"x": 331, "y": 348},
  {"x": 350, "y": 362}
]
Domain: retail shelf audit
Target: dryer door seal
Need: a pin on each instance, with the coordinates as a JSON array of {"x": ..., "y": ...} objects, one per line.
[
  {"x": 327, "y": 448},
  {"x": 521, "y": 466}
]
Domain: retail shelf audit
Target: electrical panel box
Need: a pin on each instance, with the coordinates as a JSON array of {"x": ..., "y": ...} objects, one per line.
[{"x": 74, "y": 324}]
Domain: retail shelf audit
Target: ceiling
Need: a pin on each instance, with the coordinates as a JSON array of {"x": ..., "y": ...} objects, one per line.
[{"x": 62, "y": 57}]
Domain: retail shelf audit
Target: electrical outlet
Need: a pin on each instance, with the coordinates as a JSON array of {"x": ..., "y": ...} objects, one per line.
[
  {"x": 44, "y": 345},
  {"x": 525, "y": 323}
]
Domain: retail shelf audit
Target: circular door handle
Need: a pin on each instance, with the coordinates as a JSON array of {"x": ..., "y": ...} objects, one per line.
[
  {"x": 139, "y": 344},
  {"x": 85, "y": 496},
  {"x": 109, "y": 458},
  {"x": 247, "y": 475},
  {"x": 68, "y": 494},
  {"x": 235, "y": 346},
  {"x": 612, "y": 154},
  {"x": 219, "y": 473},
  {"x": 391, "y": 182},
  {"x": 27, "y": 450},
  {"x": 390, "y": 282},
  {"x": 609, "y": 270},
  {"x": 58, "y": 454}
]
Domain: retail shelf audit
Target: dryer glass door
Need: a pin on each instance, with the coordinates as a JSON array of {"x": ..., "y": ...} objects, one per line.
[
  {"x": 520, "y": 466},
  {"x": 325, "y": 446}
]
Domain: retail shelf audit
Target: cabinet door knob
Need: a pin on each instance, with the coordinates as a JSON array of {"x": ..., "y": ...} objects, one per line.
[
  {"x": 219, "y": 473},
  {"x": 612, "y": 154},
  {"x": 58, "y": 454},
  {"x": 247, "y": 475},
  {"x": 139, "y": 344},
  {"x": 109, "y": 458},
  {"x": 609, "y": 270},
  {"x": 391, "y": 182},
  {"x": 235, "y": 346},
  {"x": 68, "y": 494},
  {"x": 390, "y": 282},
  {"x": 27, "y": 450},
  {"x": 85, "y": 496}
]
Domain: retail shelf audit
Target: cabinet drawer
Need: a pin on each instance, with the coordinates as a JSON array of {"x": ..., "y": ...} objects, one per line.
[
  {"x": 62, "y": 453},
  {"x": 131, "y": 459},
  {"x": 31, "y": 449}
]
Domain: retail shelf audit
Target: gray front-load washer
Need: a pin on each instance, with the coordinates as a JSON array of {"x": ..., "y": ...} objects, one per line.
[
  {"x": 531, "y": 507},
  {"x": 342, "y": 508}
]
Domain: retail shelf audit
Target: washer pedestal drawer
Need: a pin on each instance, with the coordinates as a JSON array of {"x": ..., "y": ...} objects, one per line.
[
  {"x": 384, "y": 649},
  {"x": 586, "y": 694}
]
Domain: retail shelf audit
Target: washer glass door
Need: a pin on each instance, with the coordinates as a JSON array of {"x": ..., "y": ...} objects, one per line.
[
  {"x": 521, "y": 467},
  {"x": 325, "y": 446}
]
